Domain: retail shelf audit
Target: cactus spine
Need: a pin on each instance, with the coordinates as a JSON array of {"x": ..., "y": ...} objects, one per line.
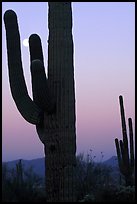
[
  {"x": 125, "y": 157},
  {"x": 52, "y": 109}
]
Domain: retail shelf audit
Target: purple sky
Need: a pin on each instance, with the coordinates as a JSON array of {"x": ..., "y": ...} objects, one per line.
[{"x": 104, "y": 62}]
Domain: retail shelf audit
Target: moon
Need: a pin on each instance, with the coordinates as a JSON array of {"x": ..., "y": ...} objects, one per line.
[{"x": 26, "y": 42}]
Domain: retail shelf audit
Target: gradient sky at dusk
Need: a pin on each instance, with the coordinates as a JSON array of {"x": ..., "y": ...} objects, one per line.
[{"x": 104, "y": 62}]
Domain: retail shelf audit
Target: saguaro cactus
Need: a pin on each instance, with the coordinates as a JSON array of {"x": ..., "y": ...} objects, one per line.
[
  {"x": 124, "y": 155},
  {"x": 19, "y": 172},
  {"x": 52, "y": 109}
]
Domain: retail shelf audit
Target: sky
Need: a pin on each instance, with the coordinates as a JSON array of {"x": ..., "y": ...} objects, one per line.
[{"x": 104, "y": 68}]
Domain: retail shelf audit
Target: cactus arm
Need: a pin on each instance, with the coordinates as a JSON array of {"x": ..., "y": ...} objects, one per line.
[
  {"x": 118, "y": 153},
  {"x": 122, "y": 151},
  {"x": 123, "y": 161},
  {"x": 131, "y": 144},
  {"x": 28, "y": 109},
  {"x": 40, "y": 89},
  {"x": 124, "y": 130},
  {"x": 35, "y": 48},
  {"x": 41, "y": 94},
  {"x": 124, "y": 166},
  {"x": 123, "y": 122}
]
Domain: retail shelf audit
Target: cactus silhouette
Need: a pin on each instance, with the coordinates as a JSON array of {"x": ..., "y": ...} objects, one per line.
[
  {"x": 19, "y": 172},
  {"x": 124, "y": 155},
  {"x": 52, "y": 109}
]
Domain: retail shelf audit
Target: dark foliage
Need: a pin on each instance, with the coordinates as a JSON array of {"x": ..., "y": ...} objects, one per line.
[
  {"x": 94, "y": 183},
  {"x": 19, "y": 185}
]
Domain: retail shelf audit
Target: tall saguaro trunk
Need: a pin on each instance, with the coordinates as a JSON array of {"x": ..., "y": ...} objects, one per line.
[
  {"x": 52, "y": 109},
  {"x": 60, "y": 126}
]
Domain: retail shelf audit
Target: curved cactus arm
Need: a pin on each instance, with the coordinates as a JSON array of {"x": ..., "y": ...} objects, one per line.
[
  {"x": 132, "y": 159},
  {"x": 41, "y": 132},
  {"x": 28, "y": 109},
  {"x": 41, "y": 93}
]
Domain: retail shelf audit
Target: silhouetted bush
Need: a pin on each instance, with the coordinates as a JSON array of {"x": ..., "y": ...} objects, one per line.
[
  {"x": 94, "y": 183},
  {"x": 19, "y": 185},
  {"x": 90, "y": 176}
]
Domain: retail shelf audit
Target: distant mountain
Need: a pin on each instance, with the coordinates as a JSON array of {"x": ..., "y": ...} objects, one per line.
[
  {"x": 38, "y": 165},
  {"x": 113, "y": 162}
]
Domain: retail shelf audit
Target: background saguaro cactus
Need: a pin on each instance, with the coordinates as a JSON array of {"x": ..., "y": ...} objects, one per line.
[
  {"x": 52, "y": 109},
  {"x": 19, "y": 171},
  {"x": 125, "y": 154}
]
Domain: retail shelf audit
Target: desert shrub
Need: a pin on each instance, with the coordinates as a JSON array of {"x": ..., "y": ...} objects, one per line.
[
  {"x": 125, "y": 193},
  {"x": 21, "y": 186},
  {"x": 88, "y": 198},
  {"x": 111, "y": 193},
  {"x": 90, "y": 176}
]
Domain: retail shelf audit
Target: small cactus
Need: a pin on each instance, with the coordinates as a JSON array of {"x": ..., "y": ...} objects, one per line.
[{"x": 125, "y": 156}]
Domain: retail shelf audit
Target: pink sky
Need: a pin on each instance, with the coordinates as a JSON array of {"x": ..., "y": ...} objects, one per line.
[{"x": 104, "y": 61}]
